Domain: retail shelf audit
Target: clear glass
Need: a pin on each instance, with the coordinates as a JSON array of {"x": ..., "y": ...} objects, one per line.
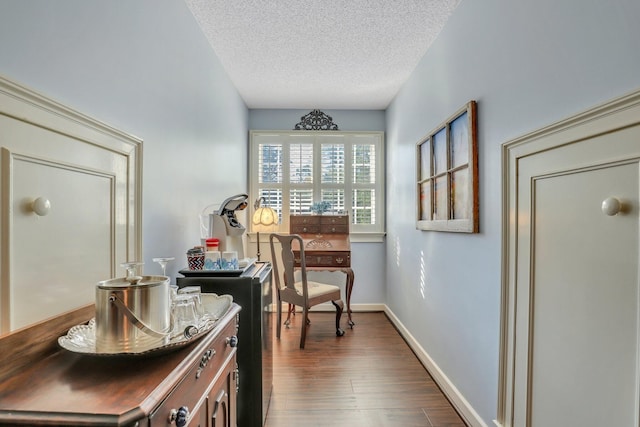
[
  {"x": 185, "y": 316},
  {"x": 460, "y": 194},
  {"x": 133, "y": 269},
  {"x": 364, "y": 164},
  {"x": 460, "y": 141},
  {"x": 440, "y": 199},
  {"x": 163, "y": 261},
  {"x": 332, "y": 163},
  {"x": 440, "y": 152},
  {"x": 364, "y": 202},
  {"x": 301, "y": 163},
  {"x": 195, "y": 292},
  {"x": 425, "y": 201}
]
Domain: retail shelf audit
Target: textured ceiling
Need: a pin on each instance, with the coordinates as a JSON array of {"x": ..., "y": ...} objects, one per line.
[{"x": 338, "y": 54}]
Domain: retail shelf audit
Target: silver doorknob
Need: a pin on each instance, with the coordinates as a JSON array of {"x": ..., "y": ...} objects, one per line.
[
  {"x": 41, "y": 206},
  {"x": 611, "y": 206}
]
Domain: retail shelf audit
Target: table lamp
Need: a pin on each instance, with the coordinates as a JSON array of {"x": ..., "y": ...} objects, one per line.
[{"x": 264, "y": 219}]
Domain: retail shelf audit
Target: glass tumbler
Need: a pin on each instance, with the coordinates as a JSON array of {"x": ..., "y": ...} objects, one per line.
[
  {"x": 185, "y": 316},
  {"x": 194, "y": 292}
]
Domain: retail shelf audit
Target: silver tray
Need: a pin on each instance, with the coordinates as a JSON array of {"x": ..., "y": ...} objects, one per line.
[{"x": 82, "y": 338}]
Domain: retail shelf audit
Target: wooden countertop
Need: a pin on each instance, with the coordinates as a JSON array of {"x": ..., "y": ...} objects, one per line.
[{"x": 55, "y": 386}]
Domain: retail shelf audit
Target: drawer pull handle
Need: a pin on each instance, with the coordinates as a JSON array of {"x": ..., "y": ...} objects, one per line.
[
  {"x": 180, "y": 417},
  {"x": 232, "y": 341},
  {"x": 205, "y": 359},
  {"x": 339, "y": 260}
]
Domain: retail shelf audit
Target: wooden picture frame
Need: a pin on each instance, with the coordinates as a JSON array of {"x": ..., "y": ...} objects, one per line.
[{"x": 447, "y": 175}]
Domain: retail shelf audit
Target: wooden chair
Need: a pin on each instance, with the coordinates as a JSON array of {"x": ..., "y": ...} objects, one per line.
[{"x": 303, "y": 293}]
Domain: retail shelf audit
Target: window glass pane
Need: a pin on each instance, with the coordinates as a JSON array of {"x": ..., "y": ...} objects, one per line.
[
  {"x": 301, "y": 163},
  {"x": 332, "y": 162},
  {"x": 425, "y": 159},
  {"x": 440, "y": 152},
  {"x": 460, "y": 194},
  {"x": 364, "y": 207},
  {"x": 273, "y": 199},
  {"x": 460, "y": 141},
  {"x": 270, "y": 163},
  {"x": 425, "y": 200},
  {"x": 335, "y": 196},
  {"x": 440, "y": 198},
  {"x": 364, "y": 161},
  {"x": 301, "y": 200}
]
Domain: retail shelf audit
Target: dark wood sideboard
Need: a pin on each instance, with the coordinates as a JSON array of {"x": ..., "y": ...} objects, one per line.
[{"x": 42, "y": 384}]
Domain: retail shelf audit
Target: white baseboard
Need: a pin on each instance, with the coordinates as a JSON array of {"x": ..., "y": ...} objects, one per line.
[{"x": 466, "y": 411}]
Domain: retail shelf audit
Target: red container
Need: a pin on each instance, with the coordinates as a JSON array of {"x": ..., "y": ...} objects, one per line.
[{"x": 212, "y": 244}]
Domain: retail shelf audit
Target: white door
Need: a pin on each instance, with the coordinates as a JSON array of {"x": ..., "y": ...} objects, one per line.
[{"x": 575, "y": 285}]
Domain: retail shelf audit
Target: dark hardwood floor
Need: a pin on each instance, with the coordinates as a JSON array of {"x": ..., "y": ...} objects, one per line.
[{"x": 367, "y": 378}]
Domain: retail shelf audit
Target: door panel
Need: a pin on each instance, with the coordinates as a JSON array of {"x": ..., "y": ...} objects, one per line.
[
  {"x": 58, "y": 258},
  {"x": 584, "y": 335}
]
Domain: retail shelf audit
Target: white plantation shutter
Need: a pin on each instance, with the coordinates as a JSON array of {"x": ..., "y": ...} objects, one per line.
[{"x": 294, "y": 169}]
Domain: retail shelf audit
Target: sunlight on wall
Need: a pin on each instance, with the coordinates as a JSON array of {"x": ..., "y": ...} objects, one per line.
[
  {"x": 397, "y": 250},
  {"x": 423, "y": 274}
]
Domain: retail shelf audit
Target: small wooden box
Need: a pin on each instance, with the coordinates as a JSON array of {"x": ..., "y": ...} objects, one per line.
[{"x": 325, "y": 238}]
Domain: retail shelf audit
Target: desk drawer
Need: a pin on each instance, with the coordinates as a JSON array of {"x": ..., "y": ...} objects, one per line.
[
  {"x": 319, "y": 224},
  {"x": 326, "y": 220},
  {"x": 325, "y": 259},
  {"x": 334, "y": 229},
  {"x": 304, "y": 224},
  {"x": 304, "y": 229}
]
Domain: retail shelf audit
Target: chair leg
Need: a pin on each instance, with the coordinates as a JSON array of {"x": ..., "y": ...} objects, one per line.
[
  {"x": 303, "y": 332},
  {"x": 339, "y": 308},
  {"x": 291, "y": 309},
  {"x": 279, "y": 310}
]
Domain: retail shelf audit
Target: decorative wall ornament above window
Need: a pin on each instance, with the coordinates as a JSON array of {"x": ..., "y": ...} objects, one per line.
[{"x": 316, "y": 120}]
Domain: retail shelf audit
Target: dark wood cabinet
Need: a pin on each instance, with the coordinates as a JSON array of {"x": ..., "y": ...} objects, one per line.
[
  {"x": 197, "y": 382},
  {"x": 252, "y": 290}
]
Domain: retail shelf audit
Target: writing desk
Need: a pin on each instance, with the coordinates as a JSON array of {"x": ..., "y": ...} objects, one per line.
[{"x": 326, "y": 246}]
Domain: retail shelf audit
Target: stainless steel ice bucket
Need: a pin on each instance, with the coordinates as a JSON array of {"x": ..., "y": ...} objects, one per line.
[{"x": 132, "y": 314}]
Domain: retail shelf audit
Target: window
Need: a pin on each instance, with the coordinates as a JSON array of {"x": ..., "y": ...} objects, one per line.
[
  {"x": 447, "y": 171},
  {"x": 293, "y": 170}
]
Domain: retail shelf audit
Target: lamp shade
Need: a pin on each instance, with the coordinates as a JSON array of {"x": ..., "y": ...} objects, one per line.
[{"x": 264, "y": 218}]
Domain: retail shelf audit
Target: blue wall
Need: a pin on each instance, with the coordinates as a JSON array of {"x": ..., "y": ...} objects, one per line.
[
  {"x": 347, "y": 120},
  {"x": 146, "y": 68},
  {"x": 528, "y": 64}
]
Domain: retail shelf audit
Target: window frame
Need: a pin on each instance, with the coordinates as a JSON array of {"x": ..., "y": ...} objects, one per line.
[
  {"x": 428, "y": 216},
  {"x": 358, "y": 232}
]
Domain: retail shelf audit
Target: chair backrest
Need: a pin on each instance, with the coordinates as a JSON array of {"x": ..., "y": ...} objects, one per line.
[{"x": 284, "y": 266}]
